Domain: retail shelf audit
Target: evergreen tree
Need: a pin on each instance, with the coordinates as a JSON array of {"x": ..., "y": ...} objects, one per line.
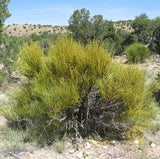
[
  {"x": 142, "y": 26},
  {"x": 4, "y": 14},
  {"x": 80, "y": 25},
  {"x": 157, "y": 39}
]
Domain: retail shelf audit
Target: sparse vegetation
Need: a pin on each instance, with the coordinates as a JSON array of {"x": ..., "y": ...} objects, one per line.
[{"x": 26, "y": 30}]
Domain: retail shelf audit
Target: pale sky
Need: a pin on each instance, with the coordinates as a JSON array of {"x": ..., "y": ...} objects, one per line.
[{"x": 58, "y": 12}]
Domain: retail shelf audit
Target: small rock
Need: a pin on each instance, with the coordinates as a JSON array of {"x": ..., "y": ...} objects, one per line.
[
  {"x": 3, "y": 97},
  {"x": 3, "y": 121},
  {"x": 1, "y": 66},
  {"x": 71, "y": 151},
  {"x": 88, "y": 145},
  {"x": 105, "y": 147},
  {"x": 153, "y": 145},
  {"x": 136, "y": 142},
  {"x": 80, "y": 155},
  {"x": 113, "y": 142}
]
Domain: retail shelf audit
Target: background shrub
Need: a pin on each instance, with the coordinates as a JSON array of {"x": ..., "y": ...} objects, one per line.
[{"x": 137, "y": 52}]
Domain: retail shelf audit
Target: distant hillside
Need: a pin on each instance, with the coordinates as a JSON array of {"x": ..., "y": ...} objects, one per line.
[
  {"x": 124, "y": 25},
  {"x": 26, "y": 30}
]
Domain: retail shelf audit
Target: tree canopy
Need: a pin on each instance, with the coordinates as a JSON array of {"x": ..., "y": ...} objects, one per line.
[
  {"x": 4, "y": 14},
  {"x": 80, "y": 25},
  {"x": 85, "y": 28}
]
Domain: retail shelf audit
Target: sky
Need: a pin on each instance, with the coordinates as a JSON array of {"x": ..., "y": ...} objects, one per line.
[{"x": 58, "y": 12}]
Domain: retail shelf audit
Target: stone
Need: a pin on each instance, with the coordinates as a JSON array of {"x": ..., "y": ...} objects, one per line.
[
  {"x": 3, "y": 97},
  {"x": 1, "y": 66},
  {"x": 79, "y": 155},
  {"x": 105, "y": 147},
  {"x": 153, "y": 145},
  {"x": 3, "y": 121},
  {"x": 136, "y": 142},
  {"x": 87, "y": 145},
  {"x": 113, "y": 142},
  {"x": 71, "y": 151}
]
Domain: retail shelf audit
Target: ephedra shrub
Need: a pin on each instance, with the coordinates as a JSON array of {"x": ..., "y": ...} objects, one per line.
[{"x": 79, "y": 90}]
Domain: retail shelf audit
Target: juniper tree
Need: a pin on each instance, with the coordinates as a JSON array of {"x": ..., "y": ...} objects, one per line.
[{"x": 4, "y": 14}]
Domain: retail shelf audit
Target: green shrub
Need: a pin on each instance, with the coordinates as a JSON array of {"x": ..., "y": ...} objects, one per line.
[
  {"x": 34, "y": 37},
  {"x": 137, "y": 53},
  {"x": 1, "y": 78},
  {"x": 79, "y": 90},
  {"x": 31, "y": 55},
  {"x": 127, "y": 85}
]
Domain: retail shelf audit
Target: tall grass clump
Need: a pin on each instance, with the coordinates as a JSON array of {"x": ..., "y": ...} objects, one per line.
[
  {"x": 1, "y": 78},
  {"x": 79, "y": 90},
  {"x": 137, "y": 53}
]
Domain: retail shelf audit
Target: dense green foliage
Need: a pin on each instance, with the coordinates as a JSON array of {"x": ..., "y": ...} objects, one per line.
[
  {"x": 157, "y": 39},
  {"x": 79, "y": 90},
  {"x": 1, "y": 78},
  {"x": 85, "y": 29},
  {"x": 127, "y": 85},
  {"x": 146, "y": 31},
  {"x": 80, "y": 25},
  {"x": 141, "y": 23},
  {"x": 4, "y": 14},
  {"x": 137, "y": 52}
]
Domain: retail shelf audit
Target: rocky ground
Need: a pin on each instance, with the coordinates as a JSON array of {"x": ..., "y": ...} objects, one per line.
[{"x": 142, "y": 147}]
